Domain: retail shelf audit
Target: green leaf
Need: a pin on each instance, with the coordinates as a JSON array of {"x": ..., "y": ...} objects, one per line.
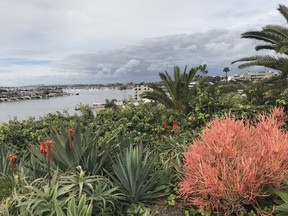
[
  {"x": 282, "y": 194},
  {"x": 58, "y": 210},
  {"x": 283, "y": 207},
  {"x": 72, "y": 207},
  {"x": 82, "y": 202}
]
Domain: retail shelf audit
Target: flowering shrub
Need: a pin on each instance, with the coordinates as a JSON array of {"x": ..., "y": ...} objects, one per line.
[{"x": 234, "y": 162}]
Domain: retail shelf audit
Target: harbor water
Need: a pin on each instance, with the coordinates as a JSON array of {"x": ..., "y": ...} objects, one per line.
[{"x": 23, "y": 109}]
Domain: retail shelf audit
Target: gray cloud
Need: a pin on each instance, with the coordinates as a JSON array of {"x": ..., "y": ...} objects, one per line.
[
  {"x": 104, "y": 41},
  {"x": 144, "y": 60},
  {"x": 128, "y": 67}
]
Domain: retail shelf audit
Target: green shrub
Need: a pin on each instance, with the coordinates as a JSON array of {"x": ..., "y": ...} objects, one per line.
[{"x": 6, "y": 186}]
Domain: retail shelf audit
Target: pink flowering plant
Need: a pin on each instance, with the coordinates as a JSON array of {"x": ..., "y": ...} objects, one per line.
[{"x": 235, "y": 162}]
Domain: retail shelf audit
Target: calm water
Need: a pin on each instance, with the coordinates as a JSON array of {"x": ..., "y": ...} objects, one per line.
[{"x": 36, "y": 108}]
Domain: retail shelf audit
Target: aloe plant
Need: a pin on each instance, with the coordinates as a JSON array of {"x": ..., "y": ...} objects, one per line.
[
  {"x": 132, "y": 174},
  {"x": 4, "y": 162},
  {"x": 45, "y": 196},
  {"x": 139, "y": 209},
  {"x": 82, "y": 209},
  {"x": 86, "y": 151}
]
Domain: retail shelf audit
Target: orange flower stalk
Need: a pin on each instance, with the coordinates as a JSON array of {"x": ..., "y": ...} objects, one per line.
[
  {"x": 165, "y": 124},
  {"x": 70, "y": 132},
  {"x": 174, "y": 125},
  {"x": 12, "y": 158},
  {"x": 49, "y": 143},
  {"x": 234, "y": 162},
  {"x": 43, "y": 149}
]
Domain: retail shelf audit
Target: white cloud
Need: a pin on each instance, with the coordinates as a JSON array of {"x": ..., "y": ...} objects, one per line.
[{"x": 86, "y": 40}]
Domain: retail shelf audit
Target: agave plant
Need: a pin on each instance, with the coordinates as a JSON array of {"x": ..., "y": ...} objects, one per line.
[{"x": 132, "y": 174}]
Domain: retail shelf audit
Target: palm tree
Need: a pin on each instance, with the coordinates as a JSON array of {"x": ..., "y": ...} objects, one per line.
[
  {"x": 175, "y": 94},
  {"x": 110, "y": 103},
  {"x": 226, "y": 70},
  {"x": 276, "y": 39}
]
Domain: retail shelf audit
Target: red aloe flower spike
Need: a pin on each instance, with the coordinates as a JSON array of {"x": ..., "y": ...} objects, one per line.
[
  {"x": 70, "y": 132},
  {"x": 174, "y": 125},
  {"x": 43, "y": 149},
  {"x": 165, "y": 124},
  {"x": 11, "y": 158},
  {"x": 49, "y": 143}
]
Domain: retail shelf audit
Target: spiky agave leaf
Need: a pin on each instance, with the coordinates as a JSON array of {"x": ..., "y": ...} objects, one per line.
[{"x": 132, "y": 174}]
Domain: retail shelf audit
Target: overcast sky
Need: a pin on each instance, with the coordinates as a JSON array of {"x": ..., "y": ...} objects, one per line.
[{"x": 108, "y": 41}]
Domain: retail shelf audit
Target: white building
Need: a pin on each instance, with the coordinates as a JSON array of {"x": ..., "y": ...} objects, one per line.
[
  {"x": 256, "y": 76},
  {"x": 139, "y": 89}
]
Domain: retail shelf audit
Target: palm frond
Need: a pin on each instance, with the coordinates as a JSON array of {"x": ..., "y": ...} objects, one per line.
[
  {"x": 268, "y": 47},
  {"x": 277, "y": 38},
  {"x": 262, "y": 35},
  {"x": 278, "y": 30},
  {"x": 282, "y": 47},
  {"x": 156, "y": 96},
  {"x": 175, "y": 93},
  {"x": 284, "y": 11},
  {"x": 277, "y": 63}
]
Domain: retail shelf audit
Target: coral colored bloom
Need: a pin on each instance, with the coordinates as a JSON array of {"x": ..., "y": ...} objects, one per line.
[
  {"x": 50, "y": 142},
  {"x": 70, "y": 132},
  {"x": 12, "y": 157},
  {"x": 43, "y": 148},
  {"x": 165, "y": 124},
  {"x": 174, "y": 125},
  {"x": 234, "y": 162}
]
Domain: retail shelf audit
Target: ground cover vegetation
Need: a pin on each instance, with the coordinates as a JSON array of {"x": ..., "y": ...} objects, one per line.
[{"x": 201, "y": 149}]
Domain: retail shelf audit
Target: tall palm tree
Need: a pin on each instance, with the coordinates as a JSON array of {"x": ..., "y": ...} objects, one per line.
[
  {"x": 110, "y": 103},
  {"x": 226, "y": 70},
  {"x": 175, "y": 94},
  {"x": 276, "y": 39}
]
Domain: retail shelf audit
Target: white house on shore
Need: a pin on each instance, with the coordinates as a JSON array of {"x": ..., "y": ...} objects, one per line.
[{"x": 138, "y": 90}]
